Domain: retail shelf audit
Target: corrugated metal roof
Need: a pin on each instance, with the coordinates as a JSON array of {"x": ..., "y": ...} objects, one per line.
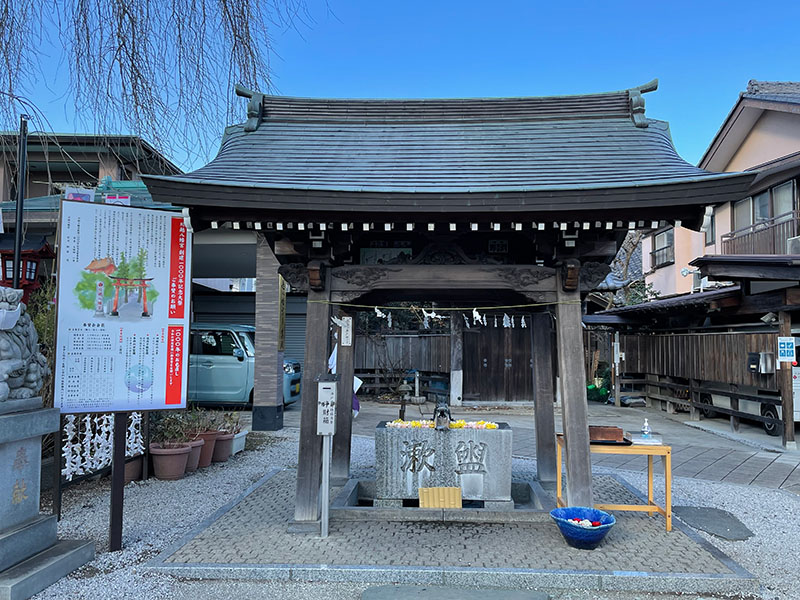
[{"x": 473, "y": 146}]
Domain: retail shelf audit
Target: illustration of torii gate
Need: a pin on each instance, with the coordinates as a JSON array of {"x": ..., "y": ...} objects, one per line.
[{"x": 129, "y": 282}]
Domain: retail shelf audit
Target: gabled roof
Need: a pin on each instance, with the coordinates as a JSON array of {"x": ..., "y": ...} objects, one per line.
[
  {"x": 781, "y": 96},
  {"x": 488, "y": 155},
  {"x": 70, "y": 150}
]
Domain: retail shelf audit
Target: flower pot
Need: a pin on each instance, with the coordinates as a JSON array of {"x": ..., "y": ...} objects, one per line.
[
  {"x": 223, "y": 447},
  {"x": 239, "y": 441},
  {"x": 133, "y": 469},
  {"x": 170, "y": 463},
  {"x": 207, "y": 451},
  {"x": 194, "y": 455}
]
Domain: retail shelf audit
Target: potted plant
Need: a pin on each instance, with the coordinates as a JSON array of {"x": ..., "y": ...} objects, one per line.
[
  {"x": 193, "y": 424},
  {"x": 227, "y": 429},
  {"x": 169, "y": 448},
  {"x": 208, "y": 432},
  {"x": 133, "y": 468},
  {"x": 239, "y": 437}
]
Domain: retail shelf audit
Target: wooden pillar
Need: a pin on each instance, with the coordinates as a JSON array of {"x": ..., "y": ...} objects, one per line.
[
  {"x": 786, "y": 387},
  {"x": 456, "y": 359},
  {"x": 544, "y": 417},
  {"x": 268, "y": 380},
  {"x": 340, "y": 467},
  {"x": 575, "y": 413},
  {"x": 309, "y": 459}
]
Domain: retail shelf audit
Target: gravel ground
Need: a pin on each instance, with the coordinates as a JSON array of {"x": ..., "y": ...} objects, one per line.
[
  {"x": 171, "y": 509},
  {"x": 773, "y": 553}
]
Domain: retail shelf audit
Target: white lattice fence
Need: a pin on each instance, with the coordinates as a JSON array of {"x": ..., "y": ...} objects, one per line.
[{"x": 88, "y": 442}]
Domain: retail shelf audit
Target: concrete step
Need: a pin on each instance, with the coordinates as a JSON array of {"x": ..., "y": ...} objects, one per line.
[
  {"x": 30, "y": 538},
  {"x": 435, "y": 592},
  {"x": 31, "y": 576}
]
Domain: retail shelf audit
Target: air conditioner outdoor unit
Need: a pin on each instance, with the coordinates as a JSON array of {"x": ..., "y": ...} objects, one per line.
[{"x": 793, "y": 245}]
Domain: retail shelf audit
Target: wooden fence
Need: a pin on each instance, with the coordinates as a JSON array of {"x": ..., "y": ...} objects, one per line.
[
  {"x": 423, "y": 352},
  {"x": 710, "y": 357},
  {"x": 684, "y": 369}
]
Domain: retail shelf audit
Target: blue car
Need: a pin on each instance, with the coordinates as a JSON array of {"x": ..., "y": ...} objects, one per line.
[{"x": 222, "y": 366}]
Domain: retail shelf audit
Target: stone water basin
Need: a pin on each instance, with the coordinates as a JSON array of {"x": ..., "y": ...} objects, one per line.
[{"x": 476, "y": 460}]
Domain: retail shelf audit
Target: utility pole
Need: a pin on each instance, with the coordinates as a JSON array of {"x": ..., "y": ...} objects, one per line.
[{"x": 22, "y": 160}]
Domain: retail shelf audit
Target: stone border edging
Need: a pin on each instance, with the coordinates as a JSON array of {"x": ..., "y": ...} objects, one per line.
[{"x": 739, "y": 581}]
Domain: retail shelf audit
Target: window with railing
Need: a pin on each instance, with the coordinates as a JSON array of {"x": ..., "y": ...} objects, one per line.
[
  {"x": 763, "y": 223},
  {"x": 775, "y": 203},
  {"x": 663, "y": 249}
]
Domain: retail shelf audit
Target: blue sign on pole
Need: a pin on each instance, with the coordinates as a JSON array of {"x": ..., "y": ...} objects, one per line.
[{"x": 786, "y": 349}]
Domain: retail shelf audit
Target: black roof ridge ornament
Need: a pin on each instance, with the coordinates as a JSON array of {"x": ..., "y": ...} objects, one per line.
[
  {"x": 637, "y": 101},
  {"x": 255, "y": 108}
]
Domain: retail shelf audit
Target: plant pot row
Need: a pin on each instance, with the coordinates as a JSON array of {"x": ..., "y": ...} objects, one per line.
[{"x": 173, "y": 461}]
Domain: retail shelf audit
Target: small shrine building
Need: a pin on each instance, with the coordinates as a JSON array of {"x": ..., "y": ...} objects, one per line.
[{"x": 495, "y": 202}]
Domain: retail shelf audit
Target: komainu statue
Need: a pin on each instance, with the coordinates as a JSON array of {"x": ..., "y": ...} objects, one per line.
[{"x": 22, "y": 366}]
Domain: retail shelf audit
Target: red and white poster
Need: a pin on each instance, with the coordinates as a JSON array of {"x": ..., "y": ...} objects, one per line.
[{"x": 123, "y": 309}]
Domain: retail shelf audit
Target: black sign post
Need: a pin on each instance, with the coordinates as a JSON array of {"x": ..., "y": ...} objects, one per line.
[
  {"x": 117, "y": 481},
  {"x": 22, "y": 167}
]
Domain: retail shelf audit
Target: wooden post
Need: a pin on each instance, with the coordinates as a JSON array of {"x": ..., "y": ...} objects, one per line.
[
  {"x": 785, "y": 385},
  {"x": 117, "y": 481},
  {"x": 456, "y": 359},
  {"x": 340, "y": 467},
  {"x": 694, "y": 398},
  {"x": 268, "y": 384},
  {"x": 544, "y": 418},
  {"x": 575, "y": 412},
  {"x": 309, "y": 460},
  {"x": 734, "y": 420}
]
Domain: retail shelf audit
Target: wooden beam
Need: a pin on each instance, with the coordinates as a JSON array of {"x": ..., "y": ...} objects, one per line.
[
  {"x": 456, "y": 359},
  {"x": 574, "y": 409},
  {"x": 340, "y": 467},
  {"x": 520, "y": 278},
  {"x": 785, "y": 384},
  {"x": 309, "y": 459},
  {"x": 761, "y": 272},
  {"x": 544, "y": 417}
]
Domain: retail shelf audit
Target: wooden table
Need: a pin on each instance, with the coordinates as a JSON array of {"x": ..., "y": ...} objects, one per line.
[{"x": 665, "y": 452}]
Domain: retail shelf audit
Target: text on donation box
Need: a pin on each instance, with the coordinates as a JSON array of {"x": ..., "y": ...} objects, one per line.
[{"x": 326, "y": 408}]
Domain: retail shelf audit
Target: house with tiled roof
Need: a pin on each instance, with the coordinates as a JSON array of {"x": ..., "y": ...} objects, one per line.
[{"x": 760, "y": 134}]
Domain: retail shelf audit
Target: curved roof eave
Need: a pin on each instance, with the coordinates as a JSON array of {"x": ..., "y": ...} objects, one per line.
[{"x": 453, "y": 190}]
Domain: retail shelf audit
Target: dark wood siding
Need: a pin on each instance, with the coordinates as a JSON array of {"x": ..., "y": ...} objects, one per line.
[{"x": 711, "y": 357}]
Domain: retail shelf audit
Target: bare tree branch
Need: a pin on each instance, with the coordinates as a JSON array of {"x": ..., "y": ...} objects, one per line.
[{"x": 160, "y": 69}]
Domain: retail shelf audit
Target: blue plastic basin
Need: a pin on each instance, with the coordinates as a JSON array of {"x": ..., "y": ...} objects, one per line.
[{"x": 582, "y": 537}]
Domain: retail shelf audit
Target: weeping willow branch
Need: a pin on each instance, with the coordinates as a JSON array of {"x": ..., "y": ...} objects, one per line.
[{"x": 160, "y": 69}]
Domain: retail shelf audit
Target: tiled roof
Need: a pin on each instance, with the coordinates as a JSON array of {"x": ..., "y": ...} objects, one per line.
[
  {"x": 547, "y": 145},
  {"x": 777, "y": 91}
]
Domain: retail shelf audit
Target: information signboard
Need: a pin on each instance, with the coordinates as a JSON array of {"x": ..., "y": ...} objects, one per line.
[
  {"x": 786, "y": 349},
  {"x": 326, "y": 408},
  {"x": 123, "y": 309}
]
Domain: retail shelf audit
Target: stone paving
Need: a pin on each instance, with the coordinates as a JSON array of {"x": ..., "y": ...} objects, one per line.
[{"x": 233, "y": 544}]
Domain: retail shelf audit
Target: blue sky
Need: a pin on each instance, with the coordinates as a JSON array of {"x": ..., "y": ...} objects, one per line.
[{"x": 703, "y": 53}]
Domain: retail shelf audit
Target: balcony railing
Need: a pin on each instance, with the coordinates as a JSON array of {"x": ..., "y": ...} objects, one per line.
[{"x": 765, "y": 237}]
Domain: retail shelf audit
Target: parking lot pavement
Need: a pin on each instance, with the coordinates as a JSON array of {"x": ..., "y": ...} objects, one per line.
[{"x": 705, "y": 450}]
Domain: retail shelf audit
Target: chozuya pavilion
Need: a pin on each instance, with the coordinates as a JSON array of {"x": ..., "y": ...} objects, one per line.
[{"x": 501, "y": 201}]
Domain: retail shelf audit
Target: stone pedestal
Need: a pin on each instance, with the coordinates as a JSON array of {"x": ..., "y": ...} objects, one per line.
[
  {"x": 31, "y": 556},
  {"x": 476, "y": 460}
]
